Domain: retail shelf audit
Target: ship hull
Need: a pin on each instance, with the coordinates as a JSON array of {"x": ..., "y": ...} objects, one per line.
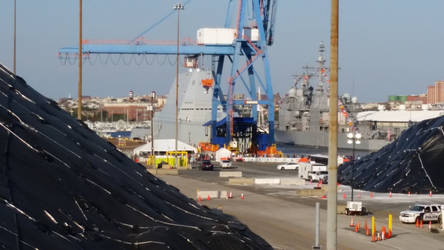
[{"x": 319, "y": 139}]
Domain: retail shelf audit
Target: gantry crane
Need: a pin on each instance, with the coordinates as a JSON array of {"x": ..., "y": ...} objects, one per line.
[{"x": 253, "y": 25}]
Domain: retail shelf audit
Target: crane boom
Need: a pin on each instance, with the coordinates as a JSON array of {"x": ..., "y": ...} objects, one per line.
[{"x": 247, "y": 53}]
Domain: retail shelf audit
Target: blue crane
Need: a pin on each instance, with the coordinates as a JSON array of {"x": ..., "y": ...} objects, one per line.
[{"x": 253, "y": 22}]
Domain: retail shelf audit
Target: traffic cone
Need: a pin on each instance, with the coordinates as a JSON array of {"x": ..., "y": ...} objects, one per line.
[
  {"x": 242, "y": 196},
  {"x": 379, "y": 237},
  {"x": 383, "y": 232},
  {"x": 352, "y": 224},
  {"x": 390, "y": 194},
  {"x": 417, "y": 223},
  {"x": 420, "y": 224},
  {"x": 371, "y": 195},
  {"x": 430, "y": 226},
  {"x": 373, "y": 237},
  {"x": 199, "y": 199},
  {"x": 208, "y": 198},
  {"x": 359, "y": 225},
  {"x": 356, "y": 228},
  {"x": 430, "y": 193},
  {"x": 367, "y": 231}
]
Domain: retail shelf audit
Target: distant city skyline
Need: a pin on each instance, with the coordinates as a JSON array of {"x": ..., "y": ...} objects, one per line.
[{"x": 386, "y": 47}]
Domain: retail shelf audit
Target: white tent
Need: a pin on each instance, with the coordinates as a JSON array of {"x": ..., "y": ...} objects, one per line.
[
  {"x": 164, "y": 145},
  {"x": 223, "y": 153}
]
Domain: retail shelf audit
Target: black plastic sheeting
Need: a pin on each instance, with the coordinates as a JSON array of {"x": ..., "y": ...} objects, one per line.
[
  {"x": 412, "y": 163},
  {"x": 63, "y": 187}
]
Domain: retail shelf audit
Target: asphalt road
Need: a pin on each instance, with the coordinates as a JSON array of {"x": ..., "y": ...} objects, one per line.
[{"x": 285, "y": 219}]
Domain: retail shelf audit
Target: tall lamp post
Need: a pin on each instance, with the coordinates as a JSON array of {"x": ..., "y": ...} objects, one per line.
[
  {"x": 153, "y": 158},
  {"x": 353, "y": 138},
  {"x": 178, "y": 7}
]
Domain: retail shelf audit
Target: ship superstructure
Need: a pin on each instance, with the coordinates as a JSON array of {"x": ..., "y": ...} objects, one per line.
[
  {"x": 195, "y": 109},
  {"x": 303, "y": 115}
]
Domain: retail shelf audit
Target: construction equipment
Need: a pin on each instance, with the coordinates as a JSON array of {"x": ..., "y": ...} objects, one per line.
[
  {"x": 355, "y": 208},
  {"x": 244, "y": 43}
]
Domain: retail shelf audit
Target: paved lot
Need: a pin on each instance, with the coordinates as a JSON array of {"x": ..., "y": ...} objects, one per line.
[{"x": 286, "y": 219}]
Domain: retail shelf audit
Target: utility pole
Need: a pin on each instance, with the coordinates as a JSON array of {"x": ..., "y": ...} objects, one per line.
[
  {"x": 153, "y": 158},
  {"x": 332, "y": 227},
  {"x": 15, "y": 37},
  {"x": 79, "y": 104},
  {"x": 177, "y": 7}
]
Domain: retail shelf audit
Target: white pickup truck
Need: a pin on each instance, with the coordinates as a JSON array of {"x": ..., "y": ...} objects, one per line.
[
  {"x": 422, "y": 212},
  {"x": 313, "y": 171}
]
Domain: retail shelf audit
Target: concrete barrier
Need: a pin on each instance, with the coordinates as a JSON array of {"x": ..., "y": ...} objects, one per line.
[
  {"x": 163, "y": 171},
  {"x": 241, "y": 181},
  {"x": 313, "y": 191},
  {"x": 292, "y": 181},
  {"x": 271, "y": 159},
  {"x": 204, "y": 194},
  {"x": 223, "y": 194},
  {"x": 310, "y": 192},
  {"x": 269, "y": 181},
  {"x": 230, "y": 174}
]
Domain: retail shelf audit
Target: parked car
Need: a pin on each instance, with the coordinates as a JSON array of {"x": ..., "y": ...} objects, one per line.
[
  {"x": 422, "y": 212},
  {"x": 288, "y": 166},
  {"x": 206, "y": 165},
  {"x": 225, "y": 164}
]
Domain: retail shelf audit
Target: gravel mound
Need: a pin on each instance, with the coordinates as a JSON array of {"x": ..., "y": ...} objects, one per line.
[
  {"x": 63, "y": 187},
  {"x": 412, "y": 163}
]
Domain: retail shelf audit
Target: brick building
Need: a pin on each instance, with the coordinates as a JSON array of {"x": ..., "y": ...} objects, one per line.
[
  {"x": 435, "y": 93},
  {"x": 130, "y": 111},
  {"x": 417, "y": 99}
]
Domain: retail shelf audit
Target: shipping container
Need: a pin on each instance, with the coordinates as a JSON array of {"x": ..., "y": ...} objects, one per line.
[
  {"x": 216, "y": 36},
  {"x": 251, "y": 34}
]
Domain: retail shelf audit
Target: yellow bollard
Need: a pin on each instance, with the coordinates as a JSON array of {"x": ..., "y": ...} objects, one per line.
[
  {"x": 390, "y": 226},
  {"x": 373, "y": 228}
]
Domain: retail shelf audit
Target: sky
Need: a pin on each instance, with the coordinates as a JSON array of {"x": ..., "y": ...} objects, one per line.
[{"x": 386, "y": 47}]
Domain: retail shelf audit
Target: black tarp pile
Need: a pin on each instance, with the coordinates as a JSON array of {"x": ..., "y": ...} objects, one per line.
[
  {"x": 62, "y": 187},
  {"x": 412, "y": 163}
]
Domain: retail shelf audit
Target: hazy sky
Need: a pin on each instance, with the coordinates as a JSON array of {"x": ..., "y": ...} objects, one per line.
[{"x": 386, "y": 46}]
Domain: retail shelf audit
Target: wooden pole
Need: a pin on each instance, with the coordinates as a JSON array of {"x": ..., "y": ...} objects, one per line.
[
  {"x": 333, "y": 131},
  {"x": 79, "y": 104}
]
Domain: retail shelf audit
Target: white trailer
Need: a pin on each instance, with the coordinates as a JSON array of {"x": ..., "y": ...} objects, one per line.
[{"x": 313, "y": 171}]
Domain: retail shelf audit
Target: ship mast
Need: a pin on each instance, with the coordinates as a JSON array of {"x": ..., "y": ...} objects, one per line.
[{"x": 321, "y": 61}]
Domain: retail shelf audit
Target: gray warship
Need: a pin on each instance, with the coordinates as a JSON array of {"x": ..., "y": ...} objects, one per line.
[{"x": 303, "y": 114}]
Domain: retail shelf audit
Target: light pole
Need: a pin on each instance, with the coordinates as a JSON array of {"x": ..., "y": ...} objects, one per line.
[
  {"x": 353, "y": 138},
  {"x": 178, "y": 7},
  {"x": 153, "y": 158}
]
